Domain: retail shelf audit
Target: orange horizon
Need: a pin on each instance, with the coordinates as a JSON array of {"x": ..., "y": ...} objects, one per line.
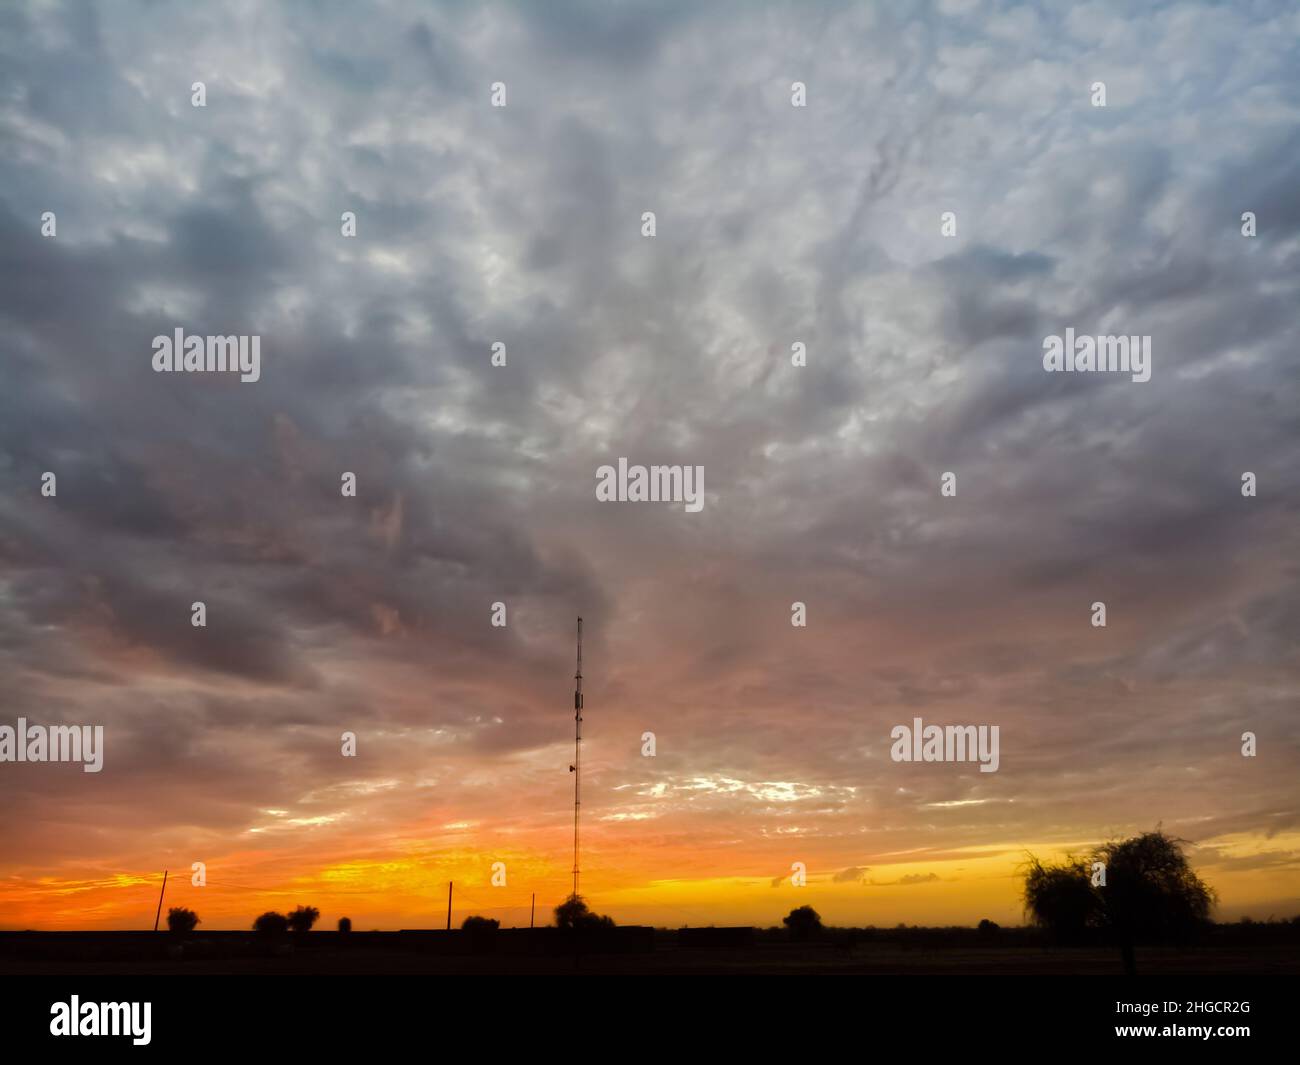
[{"x": 390, "y": 892}]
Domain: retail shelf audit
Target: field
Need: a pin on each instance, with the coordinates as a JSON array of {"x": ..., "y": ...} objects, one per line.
[{"x": 639, "y": 951}]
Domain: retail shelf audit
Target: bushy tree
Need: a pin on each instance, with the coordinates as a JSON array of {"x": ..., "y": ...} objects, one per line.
[
  {"x": 181, "y": 921},
  {"x": 271, "y": 924},
  {"x": 302, "y": 918},
  {"x": 803, "y": 922},
  {"x": 475, "y": 923},
  {"x": 1061, "y": 899},
  {"x": 573, "y": 913},
  {"x": 1150, "y": 894},
  {"x": 345, "y": 924}
]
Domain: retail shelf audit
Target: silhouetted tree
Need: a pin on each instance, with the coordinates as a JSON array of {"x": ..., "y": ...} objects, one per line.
[
  {"x": 271, "y": 924},
  {"x": 573, "y": 913},
  {"x": 302, "y": 919},
  {"x": 345, "y": 924},
  {"x": 988, "y": 928},
  {"x": 1150, "y": 894},
  {"x": 475, "y": 923},
  {"x": 804, "y": 923},
  {"x": 1061, "y": 899},
  {"x": 181, "y": 921},
  {"x": 570, "y": 911}
]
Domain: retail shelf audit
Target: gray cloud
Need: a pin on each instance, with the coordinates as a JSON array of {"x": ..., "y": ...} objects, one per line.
[{"x": 476, "y": 483}]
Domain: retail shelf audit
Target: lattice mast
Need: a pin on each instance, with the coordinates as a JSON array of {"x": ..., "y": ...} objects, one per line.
[{"x": 576, "y": 768}]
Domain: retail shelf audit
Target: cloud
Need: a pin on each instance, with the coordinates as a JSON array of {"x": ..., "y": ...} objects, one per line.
[
  {"x": 476, "y": 483},
  {"x": 905, "y": 881}
]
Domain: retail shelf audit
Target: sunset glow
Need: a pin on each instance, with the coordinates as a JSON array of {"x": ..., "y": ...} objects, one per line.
[{"x": 902, "y": 513}]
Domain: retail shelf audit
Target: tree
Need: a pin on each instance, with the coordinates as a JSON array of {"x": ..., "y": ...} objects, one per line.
[
  {"x": 988, "y": 928},
  {"x": 480, "y": 933},
  {"x": 301, "y": 919},
  {"x": 271, "y": 924},
  {"x": 181, "y": 921},
  {"x": 345, "y": 924},
  {"x": 1061, "y": 899},
  {"x": 475, "y": 923},
  {"x": 573, "y": 913},
  {"x": 1150, "y": 894},
  {"x": 803, "y": 923}
]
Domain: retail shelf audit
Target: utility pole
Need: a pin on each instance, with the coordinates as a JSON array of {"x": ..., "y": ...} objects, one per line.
[
  {"x": 448, "y": 905},
  {"x": 576, "y": 768},
  {"x": 160, "y": 898},
  {"x": 532, "y": 910}
]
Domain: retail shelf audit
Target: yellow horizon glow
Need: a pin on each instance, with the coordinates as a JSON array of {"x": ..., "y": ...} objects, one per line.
[{"x": 408, "y": 889}]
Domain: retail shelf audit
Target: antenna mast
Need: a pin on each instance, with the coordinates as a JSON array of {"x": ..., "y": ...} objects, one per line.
[{"x": 576, "y": 768}]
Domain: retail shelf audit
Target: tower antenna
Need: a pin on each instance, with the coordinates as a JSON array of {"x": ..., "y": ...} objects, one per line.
[{"x": 576, "y": 768}]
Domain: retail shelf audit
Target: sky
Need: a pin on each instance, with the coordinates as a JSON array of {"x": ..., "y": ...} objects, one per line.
[{"x": 523, "y": 225}]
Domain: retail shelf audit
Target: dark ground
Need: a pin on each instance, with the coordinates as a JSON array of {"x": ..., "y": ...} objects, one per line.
[{"x": 642, "y": 951}]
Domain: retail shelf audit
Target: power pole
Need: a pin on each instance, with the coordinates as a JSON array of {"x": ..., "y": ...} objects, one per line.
[
  {"x": 576, "y": 768},
  {"x": 160, "y": 898},
  {"x": 532, "y": 910},
  {"x": 448, "y": 905}
]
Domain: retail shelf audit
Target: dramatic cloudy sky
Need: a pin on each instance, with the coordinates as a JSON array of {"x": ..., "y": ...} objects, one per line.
[{"x": 522, "y": 224}]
